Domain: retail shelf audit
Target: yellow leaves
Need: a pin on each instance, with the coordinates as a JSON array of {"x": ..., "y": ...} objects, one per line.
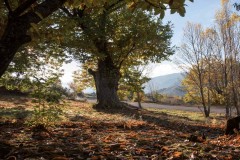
[
  {"x": 131, "y": 5},
  {"x": 165, "y": 148},
  {"x": 88, "y": 3},
  {"x": 223, "y": 2},
  {"x": 177, "y": 154},
  {"x": 235, "y": 17},
  {"x": 209, "y": 31},
  {"x": 229, "y": 21}
]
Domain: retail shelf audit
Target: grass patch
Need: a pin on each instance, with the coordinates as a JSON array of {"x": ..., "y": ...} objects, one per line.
[{"x": 214, "y": 119}]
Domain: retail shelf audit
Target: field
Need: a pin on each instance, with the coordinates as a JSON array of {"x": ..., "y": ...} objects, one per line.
[{"x": 85, "y": 133}]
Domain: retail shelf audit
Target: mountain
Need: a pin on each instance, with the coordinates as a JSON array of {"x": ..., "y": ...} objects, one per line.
[{"x": 168, "y": 84}]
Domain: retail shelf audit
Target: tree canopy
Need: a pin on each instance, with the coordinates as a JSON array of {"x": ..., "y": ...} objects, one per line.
[
  {"x": 113, "y": 38},
  {"x": 18, "y": 17}
]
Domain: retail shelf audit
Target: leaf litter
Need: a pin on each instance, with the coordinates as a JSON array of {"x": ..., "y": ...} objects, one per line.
[{"x": 125, "y": 134}]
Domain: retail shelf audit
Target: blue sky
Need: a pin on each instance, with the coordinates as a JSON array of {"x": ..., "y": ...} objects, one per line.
[{"x": 200, "y": 11}]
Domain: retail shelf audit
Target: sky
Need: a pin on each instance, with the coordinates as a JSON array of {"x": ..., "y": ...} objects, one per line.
[{"x": 200, "y": 11}]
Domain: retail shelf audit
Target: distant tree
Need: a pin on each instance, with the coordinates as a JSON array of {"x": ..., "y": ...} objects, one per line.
[
  {"x": 192, "y": 60},
  {"x": 227, "y": 40},
  {"x": 211, "y": 57},
  {"x": 81, "y": 79},
  {"x": 153, "y": 90},
  {"x": 133, "y": 80}
]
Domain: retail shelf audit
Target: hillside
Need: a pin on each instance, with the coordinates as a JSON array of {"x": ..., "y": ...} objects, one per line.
[{"x": 168, "y": 84}]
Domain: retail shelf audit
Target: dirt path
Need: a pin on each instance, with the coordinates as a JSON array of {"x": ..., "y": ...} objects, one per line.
[
  {"x": 214, "y": 109},
  {"x": 176, "y": 107}
]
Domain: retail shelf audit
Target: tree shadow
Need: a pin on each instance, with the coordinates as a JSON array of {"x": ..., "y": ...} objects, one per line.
[
  {"x": 175, "y": 123},
  {"x": 19, "y": 113},
  {"x": 15, "y": 99}
]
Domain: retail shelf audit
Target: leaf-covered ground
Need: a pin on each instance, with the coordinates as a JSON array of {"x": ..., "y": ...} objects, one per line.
[{"x": 85, "y": 133}]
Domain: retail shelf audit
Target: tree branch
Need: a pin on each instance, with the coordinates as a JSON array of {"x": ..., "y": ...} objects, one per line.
[
  {"x": 126, "y": 56},
  {"x": 91, "y": 72},
  {"x": 154, "y": 5},
  {"x": 163, "y": 8},
  {"x": 65, "y": 10},
  {"x": 8, "y": 6},
  {"x": 44, "y": 9},
  {"x": 80, "y": 15},
  {"x": 23, "y": 7},
  {"x": 80, "y": 12},
  {"x": 113, "y": 5}
]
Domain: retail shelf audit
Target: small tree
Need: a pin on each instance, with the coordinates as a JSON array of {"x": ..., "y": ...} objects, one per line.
[
  {"x": 134, "y": 79},
  {"x": 193, "y": 55},
  {"x": 153, "y": 92},
  {"x": 40, "y": 77},
  {"x": 45, "y": 91}
]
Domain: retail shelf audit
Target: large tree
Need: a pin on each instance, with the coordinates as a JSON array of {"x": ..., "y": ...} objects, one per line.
[{"x": 113, "y": 37}]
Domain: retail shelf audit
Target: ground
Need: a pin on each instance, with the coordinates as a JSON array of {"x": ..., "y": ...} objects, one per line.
[{"x": 85, "y": 133}]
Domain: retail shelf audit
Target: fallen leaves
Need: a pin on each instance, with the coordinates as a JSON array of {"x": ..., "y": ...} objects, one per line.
[{"x": 98, "y": 135}]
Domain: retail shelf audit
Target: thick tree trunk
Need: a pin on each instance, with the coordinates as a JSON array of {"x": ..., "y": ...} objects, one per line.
[
  {"x": 15, "y": 34},
  {"x": 106, "y": 82}
]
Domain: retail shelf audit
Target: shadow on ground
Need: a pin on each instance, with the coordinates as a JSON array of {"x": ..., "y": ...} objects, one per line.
[{"x": 176, "y": 123}]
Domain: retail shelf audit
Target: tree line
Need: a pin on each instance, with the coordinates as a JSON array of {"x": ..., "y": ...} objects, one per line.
[{"x": 210, "y": 57}]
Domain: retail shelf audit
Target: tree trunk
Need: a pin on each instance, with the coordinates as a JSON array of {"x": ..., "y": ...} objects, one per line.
[
  {"x": 106, "y": 82},
  {"x": 139, "y": 100},
  {"x": 227, "y": 108},
  {"x": 15, "y": 34},
  {"x": 206, "y": 111}
]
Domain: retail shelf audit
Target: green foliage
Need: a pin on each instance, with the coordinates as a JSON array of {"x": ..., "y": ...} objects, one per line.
[
  {"x": 155, "y": 96},
  {"x": 82, "y": 79},
  {"x": 37, "y": 71},
  {"x": 132, "y": 80},
  {"x": 47, "y": 96},
  {"x": 158, "y": 6},
  {"x": 29, "y": 62},
  {"x": 127, "y": 36},
  {"x": 46, "y": 116}
]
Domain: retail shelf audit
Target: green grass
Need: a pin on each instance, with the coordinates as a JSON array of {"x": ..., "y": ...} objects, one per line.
[{"x": 193, "y": 116}]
